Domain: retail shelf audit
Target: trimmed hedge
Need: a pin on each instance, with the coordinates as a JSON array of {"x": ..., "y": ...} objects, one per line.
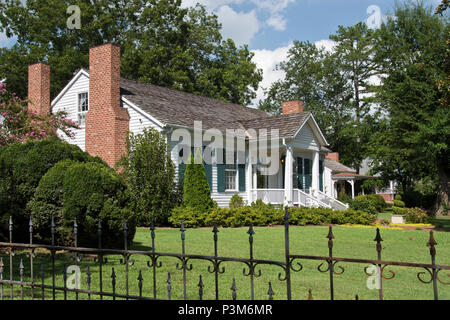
[
  {"x": 264, "y": 215},
  {"x": 89, "y": 192},
  {"x": 372, "y": 203},
  {"x": 93, "y": 192},
  {"x": 22, "y": 166}
]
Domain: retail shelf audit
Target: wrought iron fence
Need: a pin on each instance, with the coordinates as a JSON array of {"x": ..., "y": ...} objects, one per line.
[{"x": 328, "y": 264}]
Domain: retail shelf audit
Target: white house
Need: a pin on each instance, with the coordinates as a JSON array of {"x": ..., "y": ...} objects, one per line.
[{"x": 107, "y": 107}]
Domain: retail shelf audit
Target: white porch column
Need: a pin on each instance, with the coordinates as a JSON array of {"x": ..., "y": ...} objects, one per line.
[
  {"x": 352, "y": 182},
  {"x": 288, "y": 172},
  {"x": 315, "y": 173},
  {"x": 249, "y": 180}
]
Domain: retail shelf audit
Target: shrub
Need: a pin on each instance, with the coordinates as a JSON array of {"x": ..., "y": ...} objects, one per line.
[
  {"x": 398, "y": 197},
  {"x": 47, "y": 203},
  {"x": 150, "y": 176},
  {"x": 363, "y": 203},
  {"x": 22, "y": 166},
  {"x": 399, "y": 211},
  {"x": 89, "y": 192},
  {"x": 236, "y": 201},
  {"x": 262, "y": 215},
  {"x": 93, "y": 192},
  {"x": 196, "y": 193},
  {"x": 417, "y": 215},
  {"x": 191, "y": 217},
  {"x": 378, "y": 201},
  {"x": 399, "y": 203}
]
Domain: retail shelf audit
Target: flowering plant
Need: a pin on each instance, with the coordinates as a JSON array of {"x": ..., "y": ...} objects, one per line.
[
  {"x": 416, "y": 215},
  {"x": 18, "y": 124}
]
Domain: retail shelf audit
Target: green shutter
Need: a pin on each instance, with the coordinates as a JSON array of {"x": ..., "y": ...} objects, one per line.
[
  {"x": 181, "y": 170},
  {"x": 220, "y": 177},
  {"x": 241, "y": 174},
  {"x": 208, "y": 172}
]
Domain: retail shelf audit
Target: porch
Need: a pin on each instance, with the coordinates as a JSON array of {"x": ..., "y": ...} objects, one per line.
[{"x": 299, "y": 181}]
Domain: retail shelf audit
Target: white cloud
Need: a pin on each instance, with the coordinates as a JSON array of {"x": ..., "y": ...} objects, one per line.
[
  {"x": 276, "y": 10},
  {"x": 328, "y": 45},
  {"x": 267, "y": 60},
  {"x": 270, "y": 13},
  {"x": 239, "y": 26}
]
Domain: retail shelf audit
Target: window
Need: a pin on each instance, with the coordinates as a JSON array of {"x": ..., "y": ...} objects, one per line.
[
  {"x": 231, "y": 173},
  {"x": 83, "y": 107}
]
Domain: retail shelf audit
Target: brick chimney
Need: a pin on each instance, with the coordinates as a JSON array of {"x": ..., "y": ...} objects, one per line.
[
  {"x": 333, "y": 156},
  {"x": 39, "y": 88},
  {"x": 291, "y": 107},
  {"x": 107, "y": 123}
]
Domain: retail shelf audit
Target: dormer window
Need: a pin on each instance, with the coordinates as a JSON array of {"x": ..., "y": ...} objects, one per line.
[{"x": 83, "y": 108}]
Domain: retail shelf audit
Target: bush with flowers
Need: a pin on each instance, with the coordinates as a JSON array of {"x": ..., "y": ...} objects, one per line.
[
  {"x": 416, "y": 215},
  {"x": 18, "y": 124}
]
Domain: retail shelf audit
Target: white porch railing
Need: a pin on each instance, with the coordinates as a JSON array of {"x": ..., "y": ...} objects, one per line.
[
  {"x": 273, "y": 196},
  {"x": 334, "y": 203},
  {"x": 308, "y": 200},
  {"x": 299, "y": 198}
]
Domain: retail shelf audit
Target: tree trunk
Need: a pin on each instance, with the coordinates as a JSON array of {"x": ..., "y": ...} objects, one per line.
[{"x": 441, "y": 206}]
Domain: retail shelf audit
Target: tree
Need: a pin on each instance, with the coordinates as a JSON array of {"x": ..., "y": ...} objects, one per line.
[
  {"x": 150, "y": 175},
  {"x": 411, "y": 51},
  {"x": 22, "y": 166},
  {"x": 18, "y": 124},
  {"x": 196, "y": 193},
  {"x": 323, "y": 80},
  {"x": 161, "y": 43},
  {"x": 354, "y": 48}
]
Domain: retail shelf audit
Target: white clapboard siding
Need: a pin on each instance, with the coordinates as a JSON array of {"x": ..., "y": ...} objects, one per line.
[
  {"x": 223, "y": 198},
  {"x": 68, "y": 102},
  {"x": 306, "y": 139}
]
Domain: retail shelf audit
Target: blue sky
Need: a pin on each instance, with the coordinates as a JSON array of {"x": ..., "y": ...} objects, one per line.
[{"x": 270, "y": 26}]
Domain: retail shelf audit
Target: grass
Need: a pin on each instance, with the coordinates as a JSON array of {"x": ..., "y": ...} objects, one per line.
[{"x": 349, "y": 242}]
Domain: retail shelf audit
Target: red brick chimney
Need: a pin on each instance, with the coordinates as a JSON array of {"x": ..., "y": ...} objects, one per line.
[
  {"x": 291, "y": 107},
  {"x": 333, "y": 156},
  {"x": 39, "y": 88},
  {"x": 107, "y": 123}
]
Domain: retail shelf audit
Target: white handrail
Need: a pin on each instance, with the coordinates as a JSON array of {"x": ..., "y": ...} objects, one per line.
[
  {"x": 313, "y": 199},
  {"x": 339, "y": 203}
]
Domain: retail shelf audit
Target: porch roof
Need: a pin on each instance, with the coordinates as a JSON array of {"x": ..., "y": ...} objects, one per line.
[{"x": 350, "y": 176}]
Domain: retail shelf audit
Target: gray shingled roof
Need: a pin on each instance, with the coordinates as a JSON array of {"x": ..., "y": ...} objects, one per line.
[
  {"x": 337, "y": 167},
  {"x": 180, "y": 108},
  {"x": 287, "y": 124}
]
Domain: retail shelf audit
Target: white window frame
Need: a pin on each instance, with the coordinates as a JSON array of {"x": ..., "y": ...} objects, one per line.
[
  {"x": 231, "y": 168},
  {"x": 81, "y": 114}
]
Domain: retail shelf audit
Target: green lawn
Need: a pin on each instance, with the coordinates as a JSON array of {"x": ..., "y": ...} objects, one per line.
[{"x": 349, "y": 242}]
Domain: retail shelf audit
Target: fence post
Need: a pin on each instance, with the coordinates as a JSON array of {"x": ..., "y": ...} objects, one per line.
[
  {"x": 286, "y": 248},
  {"x": 431, "y": 243}
]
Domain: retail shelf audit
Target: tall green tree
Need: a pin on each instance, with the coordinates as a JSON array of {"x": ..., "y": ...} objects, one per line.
[
  {"x": 326, "y": 82},
  {"x": 414, "y": 143},
  {"x": 161, "y": 43},
  {"x": 355, "y": 49},
  {"x": 196, "y": 193},
  {"x": 150, "y": 174}
]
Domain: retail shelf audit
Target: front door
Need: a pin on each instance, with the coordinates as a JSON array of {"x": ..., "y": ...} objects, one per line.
[{"x": 303, "y": 174}]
